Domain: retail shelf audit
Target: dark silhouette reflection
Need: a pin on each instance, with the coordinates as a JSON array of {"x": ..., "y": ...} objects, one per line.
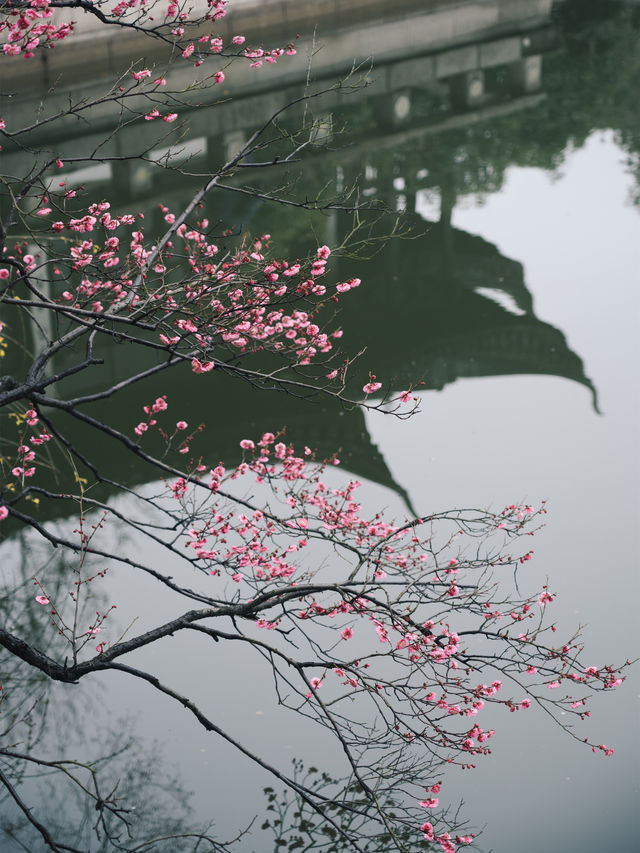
[
  {"x": 446, "y": 306},
  {"x": 435, "y": 309},
  {"x": 295, "y": 826},
  {"x": 68, "y": 755}
]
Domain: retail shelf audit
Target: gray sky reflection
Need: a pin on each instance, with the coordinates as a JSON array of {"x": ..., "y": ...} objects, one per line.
[{"x": 499, "y": 440}]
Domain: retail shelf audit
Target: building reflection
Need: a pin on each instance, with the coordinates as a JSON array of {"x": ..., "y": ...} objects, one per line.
[{"x": 446, "y": 117}]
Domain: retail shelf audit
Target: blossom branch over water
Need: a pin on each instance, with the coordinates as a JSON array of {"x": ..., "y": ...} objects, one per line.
[{"x": 393, "y": 637}]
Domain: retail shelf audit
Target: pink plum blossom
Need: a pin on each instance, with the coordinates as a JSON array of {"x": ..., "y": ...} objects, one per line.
[
  {"x": 198, "y": 367},
  {"x": 372, "y": 385}
]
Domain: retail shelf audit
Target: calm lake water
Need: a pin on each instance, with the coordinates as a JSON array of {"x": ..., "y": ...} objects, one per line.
[{"x": 512, "y": 304}]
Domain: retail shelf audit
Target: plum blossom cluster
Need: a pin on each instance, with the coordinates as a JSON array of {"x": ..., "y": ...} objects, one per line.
[
  {"x": 432, "y": 699},
  {"x": 239, "y": 302},
  {"x": 445, "y": 839},
  {"x": 244, "y": 300},
  {"x": 250, "y": 547},
  {"x": 208, "y": 45},
  {"x": 18, "y": 469},
  {"x": 168, "y": 436},
  {"x": 26, "y": 26},
  {"x": 311, "y": 563}
]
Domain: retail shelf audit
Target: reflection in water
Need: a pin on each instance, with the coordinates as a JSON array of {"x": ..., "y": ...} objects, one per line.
[
  {"x": 294, "y": 826},
  {"x": 443, "y": 306},
  {"x": 470, "y": 315},
  {"x": 121, "y": 792}
]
